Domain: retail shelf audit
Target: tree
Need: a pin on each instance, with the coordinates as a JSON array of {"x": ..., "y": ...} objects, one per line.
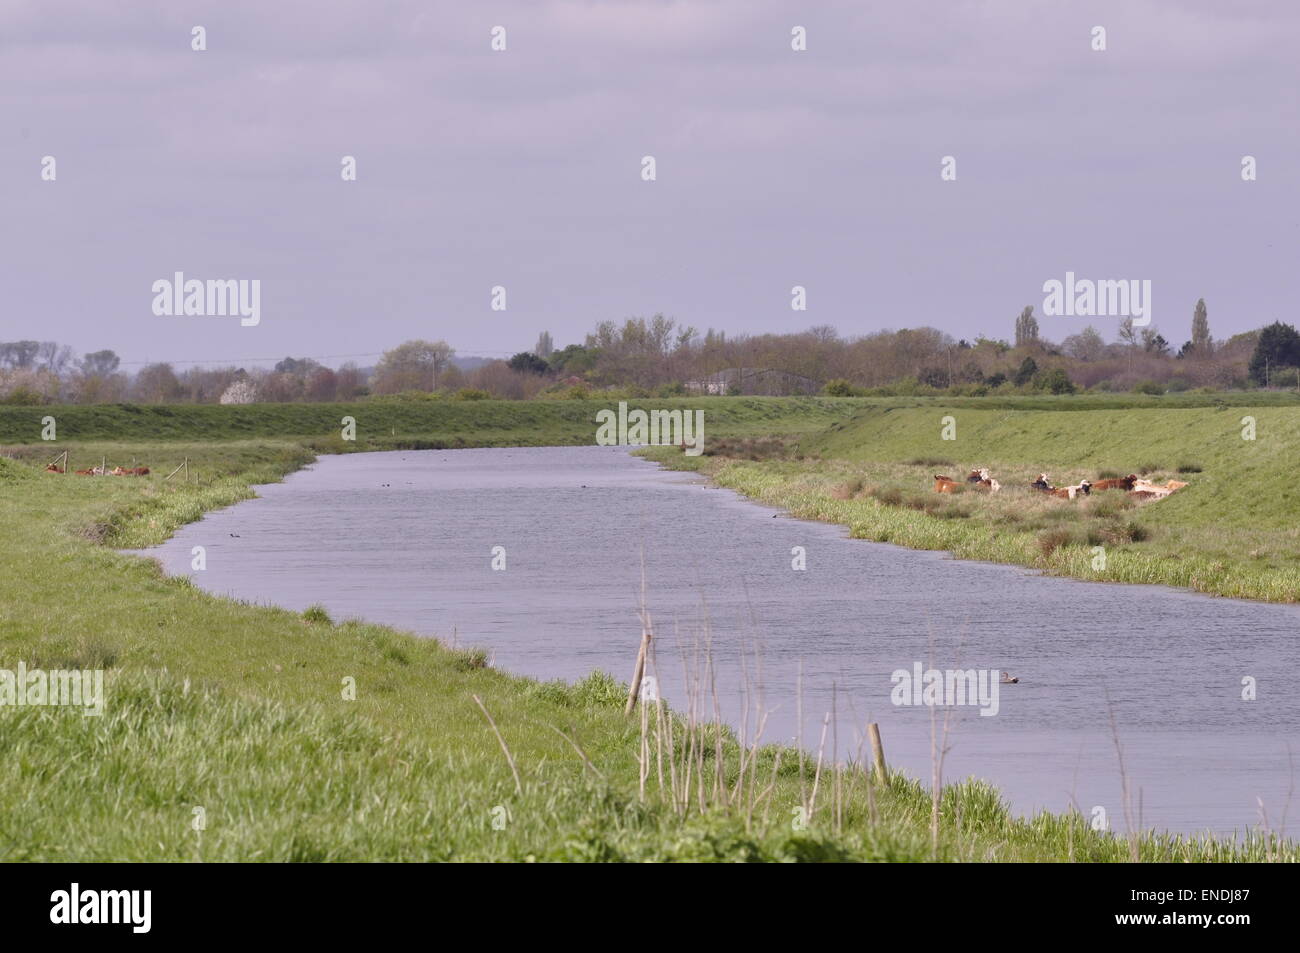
[
  {"x": 545, "y": 347},
  {"x": 1026, "y": 328},
  {"x": 18, "y": 354},
  {"x": 413, "y": 365},
  {"x": 1056, "y": 381},
  {"x": 1202, "y": 343},
  {"x": 1278, "y": 346},
  {"x": 1153, "y": 342},
  {"x": 241, "y": 391},
  {"x": 100, "y": 364},
  {"x": 1028, "y": 369},
  {"x": 157, "y": 383},
  {"x": 302, "y": 366},
  {"x": 527, "y": 362},
  {"x": 1087, "y": 345}
]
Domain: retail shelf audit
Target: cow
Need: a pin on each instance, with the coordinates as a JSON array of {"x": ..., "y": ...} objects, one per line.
[
  {"x": 1146, "y": 490},
  {"x": 1121, "y": 483},
  {"x": 982, "y": 480},
  {"x": 86, "y": 473},
  {"x": 943, "y": 484},
  {"x": 1042, "y": 484},
  {"x": 1071, "y": 492},
  {"x": 53, "y": 468}
]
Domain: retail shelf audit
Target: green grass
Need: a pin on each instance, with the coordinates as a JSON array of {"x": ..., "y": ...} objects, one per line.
[
  {"x": 405, "y": 424},
  {"x": 1231, "y": 532},
  {"x": 242, "y": 711}
]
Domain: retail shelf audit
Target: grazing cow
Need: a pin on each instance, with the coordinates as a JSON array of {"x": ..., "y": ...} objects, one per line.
[
  {"x": 1042, "y": 484},
  {"x": 1123, "y": 483},
  {"x": 1071, "y": 492},
  {"x": 86, "y": 473},
  {"x": 118, "y": 471},
  {"x": 943, "y": 484},
  {"x": 53, "y": 468}
]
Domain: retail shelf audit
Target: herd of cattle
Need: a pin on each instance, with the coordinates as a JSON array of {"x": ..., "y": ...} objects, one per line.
[
  {"x": 1132, "y": 484},
  {"x": 102, "y": 471}
]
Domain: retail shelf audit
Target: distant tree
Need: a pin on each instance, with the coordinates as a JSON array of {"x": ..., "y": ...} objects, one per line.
[
  {"x": 528, "y": 363},
  {"x": 413, "y": 365},
  {"x": 996, "y": 379},
  {"x": 574, "y": 360},
  {"x": 1087, "y": 345},
  {"x": 100, "y": 364},
  {"x": 1028, "y": 369},
  {"x": 1278, "y": 346},
  {"x": 321, "y": 384},
  {"x": 1026, "y": 328},
  {"x": 53, "y": 357},
  {"x": 348, "y": 382},
  {"x": 1202, "y": 343},
  {"x": 1153, "y": 342},
  {"x": 300, "y": 366},
  {"x": 157, "y": 383},
  {"x": 1056, "y": 381},
  {"x": 18, "y": 354},
  {"x": 545, "y": 347},
  {"x": 241, "y": 391}
]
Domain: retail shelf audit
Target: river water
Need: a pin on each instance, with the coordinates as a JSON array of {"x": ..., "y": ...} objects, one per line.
[{"x": 409, "y": 539}]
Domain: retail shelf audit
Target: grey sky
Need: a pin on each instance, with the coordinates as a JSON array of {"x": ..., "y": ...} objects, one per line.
[{"x": 775, "y": 168}]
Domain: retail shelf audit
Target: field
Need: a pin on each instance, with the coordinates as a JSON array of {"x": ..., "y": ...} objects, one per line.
[
  {"x": 1233, "y": 531},
  {"x": 234, "y": 717}
]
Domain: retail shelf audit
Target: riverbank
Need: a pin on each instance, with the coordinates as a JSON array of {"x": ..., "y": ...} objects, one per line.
[
  {"x": 242, "y": 711},
  {"x": 1230, "y": 532}
]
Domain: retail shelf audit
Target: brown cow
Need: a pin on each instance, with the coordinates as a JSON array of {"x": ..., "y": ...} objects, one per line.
[
  {"x": 943, "y": 484},
  {"x": 53, "y": 468},
  {"x": 1071, "y": 492},
  {"x": 1123, "y": 483},
  {"x": 86, "y": 473}
]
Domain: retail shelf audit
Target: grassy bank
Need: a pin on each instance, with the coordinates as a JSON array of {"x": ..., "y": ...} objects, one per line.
[
  {"x": 1231, "y": 532},
  {"x": 242, "y": 711},
  {"x": 406, "y": 424}
]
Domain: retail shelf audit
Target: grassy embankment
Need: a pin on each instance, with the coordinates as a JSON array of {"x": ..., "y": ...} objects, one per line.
[
  {"x": 1234, "y": 531},
  {"x": 239, "y": 710}
]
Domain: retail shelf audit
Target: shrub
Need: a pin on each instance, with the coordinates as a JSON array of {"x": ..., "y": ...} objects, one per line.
[
  {"x": 316, "y": 615},
  {"x": 1049, "y": 541},
  {"x": 1148, "y": 387},
  {"x": 471, "y": 393},
  {"x": 1189, "y": 468},
  {"x": 840, "y": 388}
]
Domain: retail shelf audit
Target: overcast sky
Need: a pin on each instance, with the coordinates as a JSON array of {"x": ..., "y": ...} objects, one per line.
[{"x": 522, "y": 168}]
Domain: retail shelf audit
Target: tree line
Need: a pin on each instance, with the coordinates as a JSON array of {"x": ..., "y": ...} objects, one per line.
[{"x": 658, "y": 356}]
